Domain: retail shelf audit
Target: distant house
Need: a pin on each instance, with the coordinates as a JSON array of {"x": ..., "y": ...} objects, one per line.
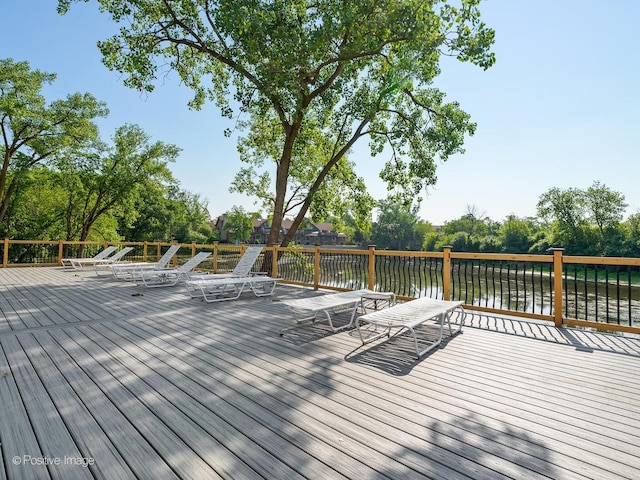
[
  {"x": 220, "y": 224},
  {"x": 314, "y": 233}
]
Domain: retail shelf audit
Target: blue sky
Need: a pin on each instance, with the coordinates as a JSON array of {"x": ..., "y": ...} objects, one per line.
[{"x": 558, "y": 109}]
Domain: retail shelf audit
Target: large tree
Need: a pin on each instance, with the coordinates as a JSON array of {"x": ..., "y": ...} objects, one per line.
[
  {"x": 516, "y": 234},
  {"x": 564, "y": 210},
  {"x": 632, "y": 236},
  {"x": 239, "y": 223},
  {"x": 34, "y": 131},
  {"x": 399, "y": 227},
  {"x": 34, "y": 211},
  {"x": 583, "y": 221},
  {"x": 312, "y": 78},
  {"x": 605, "y": 209},
  {"x": 107, "y": 180}
]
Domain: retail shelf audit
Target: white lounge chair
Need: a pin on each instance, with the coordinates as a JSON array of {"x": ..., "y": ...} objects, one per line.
[
  {"x": 230, "y": 288},
  {"x": 306, "y": 310},
  {"x": 130, "y": 270},
  {"x": 242, "y": 268},
  {"x": 79, "y": 262},
  {"x": 113, "y": 259},
  {"x": 409, "y": 316},
  {"x": 167, "y": 277}
]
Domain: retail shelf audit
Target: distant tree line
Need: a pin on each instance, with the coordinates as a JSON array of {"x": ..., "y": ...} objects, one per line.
[{"x": 583, "y": 222}]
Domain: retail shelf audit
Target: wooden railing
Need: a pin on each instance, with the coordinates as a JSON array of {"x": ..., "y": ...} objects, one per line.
[{"x": 596, "y": 292}]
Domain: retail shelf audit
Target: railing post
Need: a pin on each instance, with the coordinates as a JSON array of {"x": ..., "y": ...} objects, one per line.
[
  {"x": 371, "y": 283},
  {"x": 274, "y": 261},
  {"x": 193, "y": 249},
  {"x": 215, "y": 257},
  {"x": 60, "y": 252},
  {"x": 446, "y": 273},
  {"x": 5, "y": 253},
  {"x": 316, "y": 267},
  {"x": 145, "y": 251},
  {"x": 175, "y": 257},
  {"x": 557, "y": 285}
]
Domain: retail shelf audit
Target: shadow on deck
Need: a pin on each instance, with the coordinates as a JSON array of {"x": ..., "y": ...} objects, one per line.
[{"x": 160, "y": 386}]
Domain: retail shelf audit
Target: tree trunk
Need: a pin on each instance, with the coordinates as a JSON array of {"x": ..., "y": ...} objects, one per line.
[
  {"x": 7, "y": 197},
  {"x": 83, "y": 237},
  {"x": 282, "y": 178},
  {"x": 291, "y": 234}
]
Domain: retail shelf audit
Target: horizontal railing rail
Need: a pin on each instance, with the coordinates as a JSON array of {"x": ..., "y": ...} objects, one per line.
[{"x": 594, "y": 292}]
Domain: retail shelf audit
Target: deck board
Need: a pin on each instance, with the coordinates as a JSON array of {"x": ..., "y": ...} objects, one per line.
[
  {"x": 191, "y": 424},
  {"x": 46, "y": 421},
  {"x": 149, "y": 441},
  {"x": 152, "y": 384},
  {"x": 82, "y": 425},
  {"x": 16, "y": 432}
]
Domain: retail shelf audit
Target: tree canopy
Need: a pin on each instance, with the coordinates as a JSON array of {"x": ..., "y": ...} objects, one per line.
[
  {"x": 399, "y": 228},
  {"x": 240, "y": 223},
  {"x": 110, "y": 176},
  {"x": 310, "y": 79},
  {"x": 34, "y": 132},
  {"x": 583, "y": 221}
]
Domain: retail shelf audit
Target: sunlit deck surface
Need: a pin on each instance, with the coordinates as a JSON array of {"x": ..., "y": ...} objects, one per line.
[{"x": 147, "y": 383}]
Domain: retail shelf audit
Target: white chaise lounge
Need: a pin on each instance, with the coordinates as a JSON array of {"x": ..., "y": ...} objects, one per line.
[
  {"x": 79, "y": 262},
  {"x": 230, "y": 288},
  {"x": 112, "y": 260},
  {"x": 101, "y": 262},
  {"x": 306, "y": 310},
  {"x": 242, "y": 268},
  {"x": 410, "y": 315},
  {"x": 128, "y": 271},
  {"x": 167, "y": 277}
]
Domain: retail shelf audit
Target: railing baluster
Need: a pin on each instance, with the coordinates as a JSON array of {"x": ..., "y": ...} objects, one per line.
[
  {"x": 437, "y": 277},
  {"x": 516, "y": 284},
  {"x": 501, "y": 286},
  {"x": 629, "y": 273},
  {"x": 596, "y": 284},
  {"x": 565, "y": 289},
  {"x": 459, "y": 295},
  {"x": 533, "y": 288},
  {"x": 509, "y": 284},
  {"x": 576, "y": 291},
  {"x": 493, "y": 283},
  {"x": 618, "y": 293},
  {"x": 473, "y": 287},
  {"x": 606, "y": 277}
]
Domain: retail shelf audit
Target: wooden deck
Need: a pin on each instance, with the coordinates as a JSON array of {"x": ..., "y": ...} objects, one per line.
[{"x": 161, "y": 386}]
